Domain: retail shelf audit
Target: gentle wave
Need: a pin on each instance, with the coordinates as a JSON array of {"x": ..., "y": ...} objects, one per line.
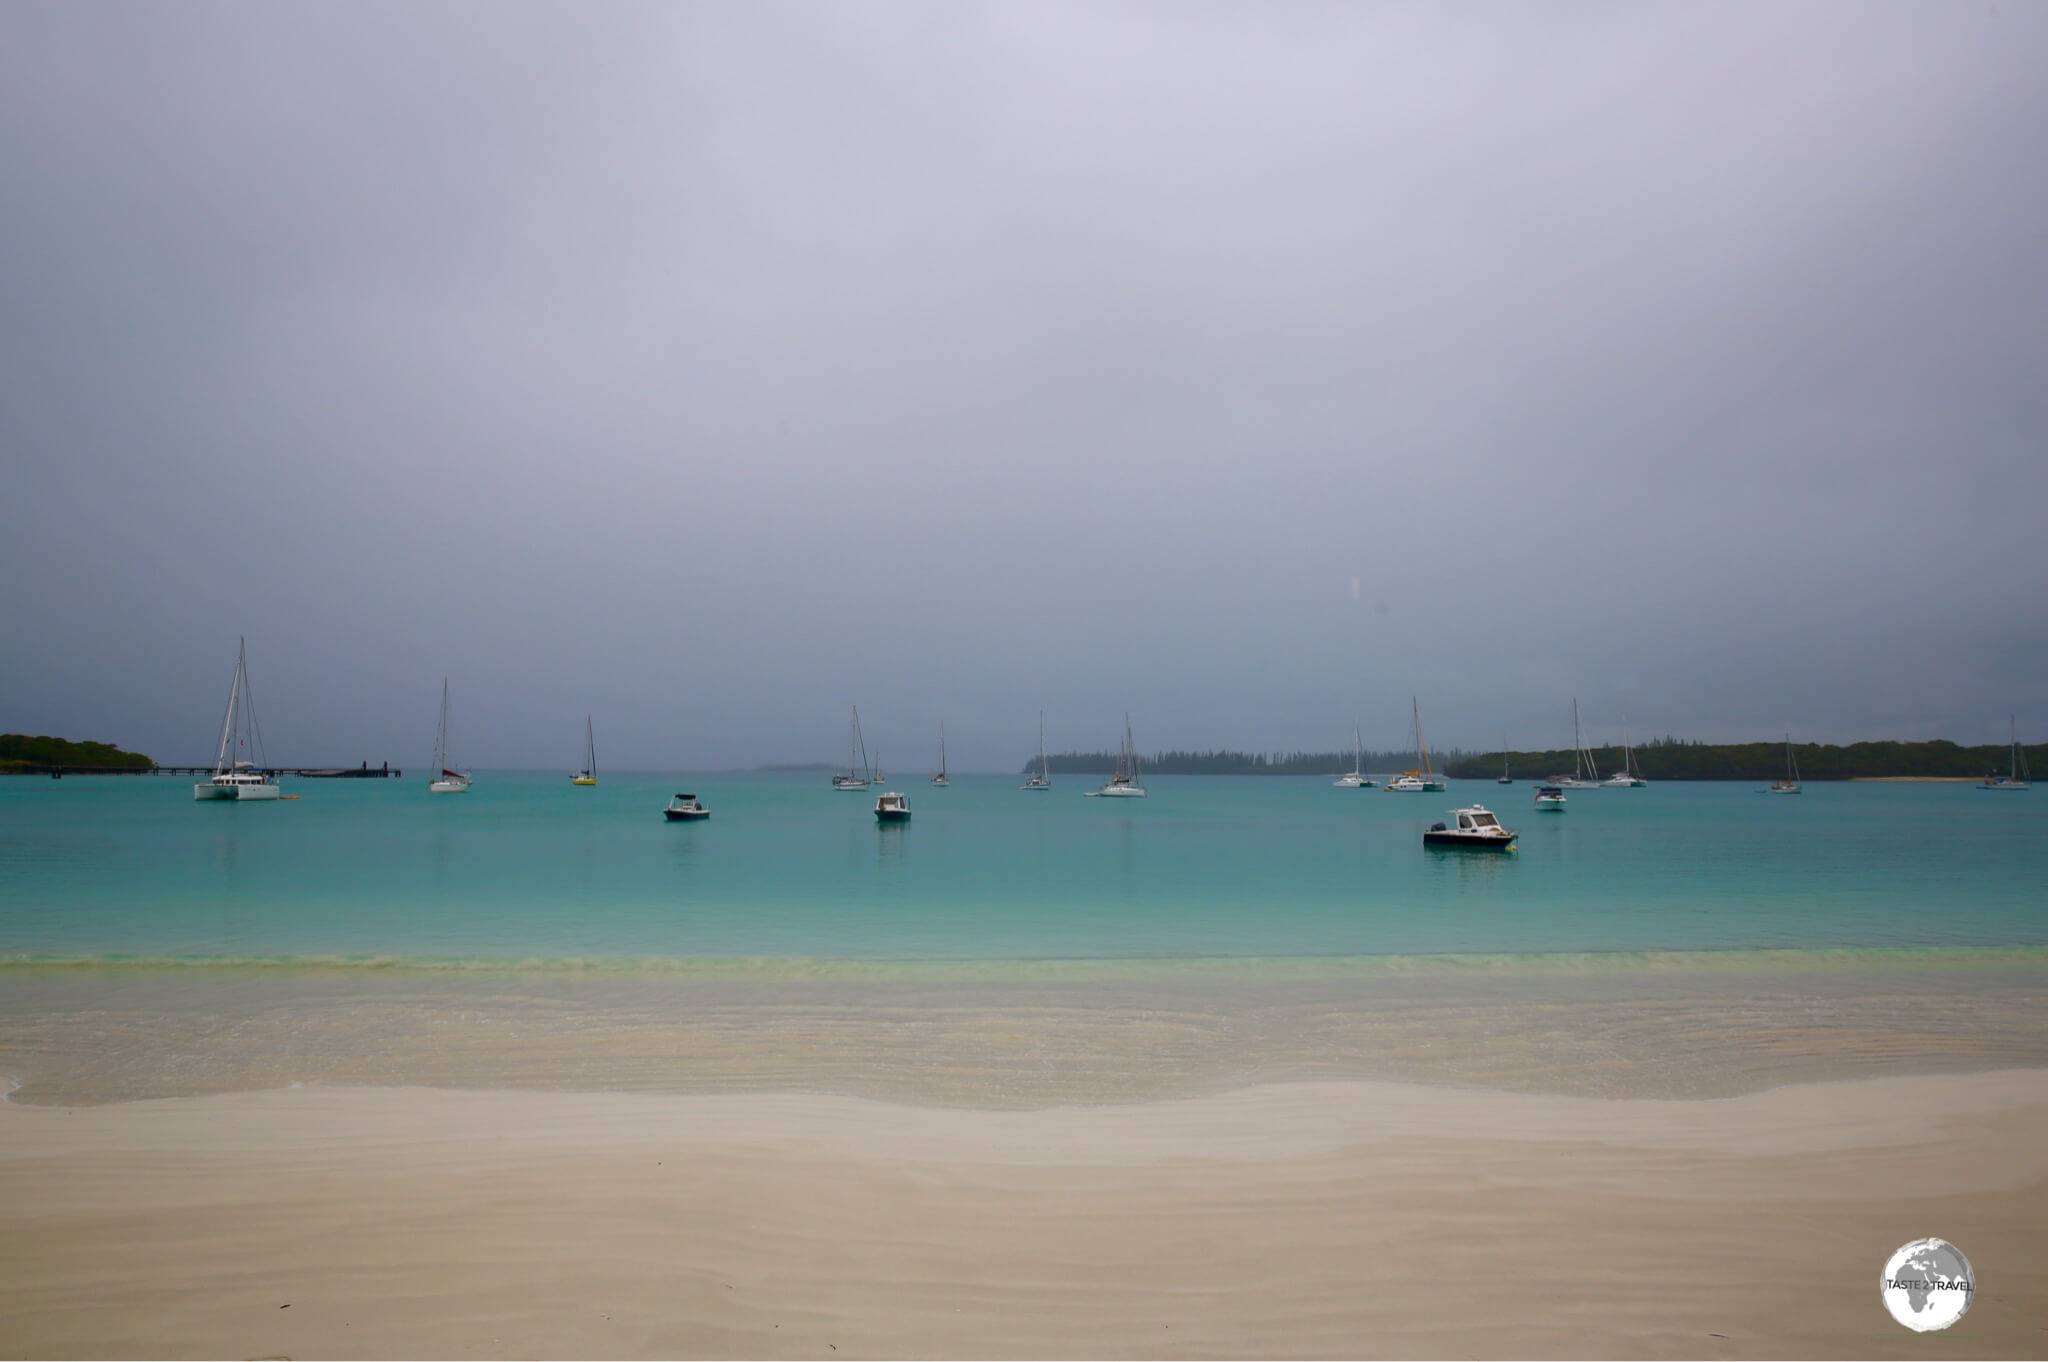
[{"x": 1772, "y": 960}]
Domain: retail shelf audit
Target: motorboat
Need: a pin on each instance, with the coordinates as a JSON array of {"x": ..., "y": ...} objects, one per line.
[
  {"x": 1477, "y": 830},
  {"x": 236, "y": 777},
  {"x": 685, "y": 808},
  {"x": 892, "y": 808},
  {"x": 1549, "y": 799},
  {"x": 1124, "y": 784}
]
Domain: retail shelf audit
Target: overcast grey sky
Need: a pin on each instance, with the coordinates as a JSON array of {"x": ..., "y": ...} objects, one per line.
[{"x": 710, "y": 368}]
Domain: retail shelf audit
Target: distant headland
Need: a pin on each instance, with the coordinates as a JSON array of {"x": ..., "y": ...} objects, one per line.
[
  {"x": 20, "y": 752},
  {"x": 1658, "y": 759}
]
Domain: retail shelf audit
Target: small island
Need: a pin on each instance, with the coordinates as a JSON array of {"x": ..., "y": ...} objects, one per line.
[{"x": 21, "y": 754}]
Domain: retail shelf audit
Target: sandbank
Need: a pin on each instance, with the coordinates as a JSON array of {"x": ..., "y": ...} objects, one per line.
[{"x": 1353, "y": 1218}]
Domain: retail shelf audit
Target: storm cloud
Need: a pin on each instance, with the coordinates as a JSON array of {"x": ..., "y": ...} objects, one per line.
[{"x": 711, "y": 368}]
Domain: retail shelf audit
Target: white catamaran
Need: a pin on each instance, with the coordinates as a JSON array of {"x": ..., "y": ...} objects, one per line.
[
  {"x": 1356, "y": 779},
  {"x": 450, "y": 781},
  {"x": 1125, "y": 783},
  {"x": 1629, "y": 777},
  {"x": 1041, "y": 781},
  {"x": 2020, "y": 778},
  {"x": 858, "y": 772},
  {"x": 235, "y": 776},
  {"x": 588, "y": 775},
  {"x": 1419, "y": 781}
]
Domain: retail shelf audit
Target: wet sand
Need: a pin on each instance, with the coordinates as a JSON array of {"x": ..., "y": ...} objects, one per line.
[{"x": 1353, "y": 1218}]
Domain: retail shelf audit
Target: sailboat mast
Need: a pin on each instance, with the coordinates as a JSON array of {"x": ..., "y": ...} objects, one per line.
[
  {"x": 227, "y": 728},
  {"x": 1421, "y": 747}
]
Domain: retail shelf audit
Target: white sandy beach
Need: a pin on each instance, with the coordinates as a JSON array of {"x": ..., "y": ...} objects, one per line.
[{"x": 1321, "y": 1219}]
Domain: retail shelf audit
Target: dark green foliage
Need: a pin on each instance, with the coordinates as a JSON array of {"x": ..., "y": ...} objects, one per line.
[
  {"x": 1669, "y": 759},
  {"x": 1228, "y": 763},
  {"x": 1658, "y": 759},
  {"x": 19, "y": 750}
]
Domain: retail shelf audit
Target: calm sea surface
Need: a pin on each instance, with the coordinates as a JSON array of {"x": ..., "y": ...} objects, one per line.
[
  {"x": 527, "y": 867},
  {"x": 1008, "y": 948}
]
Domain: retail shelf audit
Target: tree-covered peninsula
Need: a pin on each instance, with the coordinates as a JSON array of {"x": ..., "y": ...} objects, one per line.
[
  {"x": 1658, "y": 759},
  {"x": 20, "y": 752}
]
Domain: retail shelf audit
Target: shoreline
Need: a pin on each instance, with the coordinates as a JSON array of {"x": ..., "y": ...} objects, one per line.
[{"x": 1320, "y": 1219}]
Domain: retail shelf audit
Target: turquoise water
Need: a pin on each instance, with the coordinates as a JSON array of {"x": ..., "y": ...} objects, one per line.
[{"x": 528, "y": 868}]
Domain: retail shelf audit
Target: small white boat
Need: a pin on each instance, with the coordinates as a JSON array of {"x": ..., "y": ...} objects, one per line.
[
  {"x": 939, "y": 776},
  {"x": 1790, "y": 784},
  {"x": 588, "y": 775},
  {"x": 1424, "y": 781},
  {"x": 1356, "y": 779},
  {"x": 450, "y": 781},
  {"x": 858, "y": 773},
  {"x": 2019, "y": 778},
  {"x": 1124, "y": 784},
  {"x": 1477, "y": 830},
  {"x": 235, "y": 777},
  {"x": 685, "y": 808},
  {"x": 1549, "y": 799},
  {"x": 892, "y": 808},
  {"x": 1041, "y": 781}
]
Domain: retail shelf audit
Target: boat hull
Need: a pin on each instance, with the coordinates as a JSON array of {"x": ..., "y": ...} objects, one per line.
[
  {"x": 685, "y": 815},
  {"x": 238, "y": 793},
  {"x": 448, "y": 787},
  {"x": 1466, "y": 841},
  {"x": 892, "y": 815},
  {"x": 1119, "y": 792}
]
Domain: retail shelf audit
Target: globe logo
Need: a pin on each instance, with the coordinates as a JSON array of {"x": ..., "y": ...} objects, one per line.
[{"x": 1927, "y": 1285}]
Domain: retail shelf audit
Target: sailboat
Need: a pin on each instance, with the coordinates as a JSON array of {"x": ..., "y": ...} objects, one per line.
[
  {"x": 1355, "y": 780},
  {"x": 449, "y": 781},
  {"x": 1505, "y": 778},
  {"x": 1420, "y": 781},
  {"x": 1790, "y": 784},
  {"x": 1041, "y": 781},
  {"x": 939, "y": 776},
  {"x": 857, "y": 773},
  {"x": 1585, "y": 775},
  {"x": 588, "y": 775},
  {"x": 1125, "y": 783},
  {"x": 2020, "y": 777},
  {"x": 1628, "y": 777},
  {"x": 235, "y": 777}
]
